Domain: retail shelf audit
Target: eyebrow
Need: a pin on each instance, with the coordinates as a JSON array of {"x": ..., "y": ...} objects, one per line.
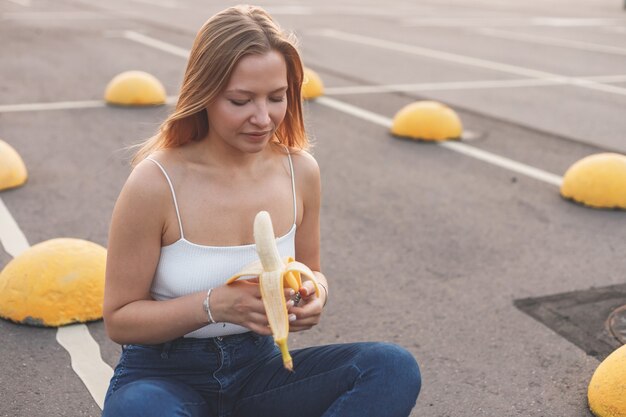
[{"x": 240, "y": 90}]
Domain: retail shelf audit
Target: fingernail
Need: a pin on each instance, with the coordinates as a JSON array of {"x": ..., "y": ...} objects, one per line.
[
  {"x": 292, "y": 292},
  {"x": 292, "y": 317},
  {"x": 290, "y": 303}
]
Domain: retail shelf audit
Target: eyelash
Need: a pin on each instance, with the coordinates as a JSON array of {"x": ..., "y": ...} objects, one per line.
[{"x": 243, "y": 103}]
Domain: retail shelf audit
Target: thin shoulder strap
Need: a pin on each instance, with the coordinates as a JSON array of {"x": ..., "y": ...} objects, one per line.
[
  {"x": 167, "y": 177},
  {"x": 293, "y": 188}
]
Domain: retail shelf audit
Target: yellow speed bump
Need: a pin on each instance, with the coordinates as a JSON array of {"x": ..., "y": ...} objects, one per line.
[
  {"x": 12, "y": 169},
  {"x": 597, "y": 181},
  {"x": 135, "y": 88},
  {"x": 56, "y": 282},
  {"x": 607, "y": 389},
  {"x": 427, "y": 120},
  {"x": 312, "y": 85}
]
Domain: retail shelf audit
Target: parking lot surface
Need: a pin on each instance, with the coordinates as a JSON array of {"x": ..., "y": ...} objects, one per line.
[{"x": 424, "y": 245}]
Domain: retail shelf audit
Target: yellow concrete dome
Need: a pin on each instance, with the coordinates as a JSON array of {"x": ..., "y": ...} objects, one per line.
[
  {"x": 135, "y": 88},
  {"x": 607, "y": 389},
  {"x": 56, "y": 282},
  {"x": 312, "y": 85},
  {"x": 12, "y": 169},
  {"x": 597, "y": 181},
  {"x": 427, "y": 120}
]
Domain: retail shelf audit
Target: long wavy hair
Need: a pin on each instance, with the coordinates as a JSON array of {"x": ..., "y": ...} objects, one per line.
[{"x": 219, "y": 45}]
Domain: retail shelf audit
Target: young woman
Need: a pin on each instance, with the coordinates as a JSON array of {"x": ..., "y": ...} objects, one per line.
[{"x": 235, "y": 145}]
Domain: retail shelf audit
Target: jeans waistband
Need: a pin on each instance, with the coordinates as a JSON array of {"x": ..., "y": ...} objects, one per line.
[{"x": 191, "y": 343}]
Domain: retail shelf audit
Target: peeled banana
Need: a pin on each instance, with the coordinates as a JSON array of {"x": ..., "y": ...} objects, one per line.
[{"x": 274, "y": 273}]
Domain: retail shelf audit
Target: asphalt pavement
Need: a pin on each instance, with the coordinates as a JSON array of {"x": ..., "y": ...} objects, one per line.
[{"x": 424, "y": 245}]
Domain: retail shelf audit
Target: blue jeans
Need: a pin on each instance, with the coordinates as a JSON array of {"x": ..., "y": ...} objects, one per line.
[{"x": 243, "y": 376}]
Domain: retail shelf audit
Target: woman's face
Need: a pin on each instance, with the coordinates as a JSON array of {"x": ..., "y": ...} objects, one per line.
[{"x": 246, "y": 114}]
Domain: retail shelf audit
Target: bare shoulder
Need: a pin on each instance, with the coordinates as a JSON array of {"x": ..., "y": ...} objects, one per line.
[
  {"x": 146, "y": 181},
  {"x": 145, "y": 194},
  {"x": 305, "y": 166}
]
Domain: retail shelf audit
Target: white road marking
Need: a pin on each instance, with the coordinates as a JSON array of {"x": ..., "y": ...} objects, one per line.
[
  {"x": 467, "y": 60},
  {"x": 463, "y": 85},
  {"x": 11, "y": 236},
  {"x": 86, "y": 359},
  {"x": 161, "y": 3},
  {"x": 63, "y": 105},
  {"x": 503, "y": 162},
  {"x": 505, "y": 21},
  {"x": 24, "y": 3},
  {"x": 575, "y": 22},
  {"x": 59, "y": 105},
  {"x": 289, "y": 10},
  {"x": 76, "y": 339},
  {"x": 545, "y": 40},
  {"x": 335, "y": 10},
  {"x": 443, "y": 86},
  {"x": 54, "y": 16},
  {"x": 459, "y": 147},
  {"x": 155, "y": 43}
]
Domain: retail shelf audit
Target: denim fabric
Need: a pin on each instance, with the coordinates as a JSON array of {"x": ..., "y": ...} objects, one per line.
[{"x": 243, "y": 376}]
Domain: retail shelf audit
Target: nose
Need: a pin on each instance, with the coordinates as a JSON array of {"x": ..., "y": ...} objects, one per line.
[{"x": 261, "y": 116}]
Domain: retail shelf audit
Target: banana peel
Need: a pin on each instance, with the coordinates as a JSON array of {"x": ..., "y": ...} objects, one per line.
[{"x": 274, "y": 273}]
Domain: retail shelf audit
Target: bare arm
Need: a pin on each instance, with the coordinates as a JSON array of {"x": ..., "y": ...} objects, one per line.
[
  {"x": 130, "y": 314},
  {"x": 308, "y": 240}
]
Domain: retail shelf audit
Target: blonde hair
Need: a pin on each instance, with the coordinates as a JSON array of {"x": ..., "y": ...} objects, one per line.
[{"x": 219, "y": 45}]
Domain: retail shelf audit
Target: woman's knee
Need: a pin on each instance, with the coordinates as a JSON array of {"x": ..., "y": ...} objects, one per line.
[
  {"x": 393, "y": 365},
  {"x": 154, "y": 397}
]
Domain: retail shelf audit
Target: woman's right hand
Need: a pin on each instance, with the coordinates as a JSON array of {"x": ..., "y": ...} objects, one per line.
[{"x": 241, "y": 303}]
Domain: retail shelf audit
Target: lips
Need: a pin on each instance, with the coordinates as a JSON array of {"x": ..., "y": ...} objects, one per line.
[{"x": 257, "y": 134}]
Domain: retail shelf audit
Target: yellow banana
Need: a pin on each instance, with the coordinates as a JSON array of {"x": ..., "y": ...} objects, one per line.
[{"x": 274, "y": 273}]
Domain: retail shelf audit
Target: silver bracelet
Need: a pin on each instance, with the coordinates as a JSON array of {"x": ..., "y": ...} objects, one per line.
[
  {"x": 326, "y": 290},
  {"x": 207, "y": 307}
]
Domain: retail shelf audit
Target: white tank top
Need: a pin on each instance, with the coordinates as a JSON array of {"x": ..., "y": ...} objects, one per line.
[{"x": 185, "y": 267}]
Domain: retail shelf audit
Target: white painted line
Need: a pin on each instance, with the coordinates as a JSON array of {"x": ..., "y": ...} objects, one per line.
[
  {"x": 11, "y": 236},
  {"x": 24, "y": 3},
  {"x": 467, "y": 60},
  {"x": 443, "y": 86},
  {"x": 289, "y": 10},
  {"x": 64, "y": 105},
  {"x": 505, "y": 21},
  {"x": 575, "y": 22},
  {"x": 459, "y": 147},
  {"x": 355, "y": 111},
  {"x": 155, "y": 43},
  {"x": 503, "y": 162},
  {"x": 86, "y": 359},
  {"x": 606, "y": 78},
  {"x": 76, "y": 339},
  {"x": 545, "y": 40},
  {"x": 463, "y": 85},
  {"x": 464, "y": 21},
  {"x": 334, "y": 10},
  {"x": 59, "y": 105},
  {"x": 54, "y": 16},
  {"x": 161, "y": 3}
]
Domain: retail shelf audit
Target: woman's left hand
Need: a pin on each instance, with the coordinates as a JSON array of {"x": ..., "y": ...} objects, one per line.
[{"x": 309, "y": 309}]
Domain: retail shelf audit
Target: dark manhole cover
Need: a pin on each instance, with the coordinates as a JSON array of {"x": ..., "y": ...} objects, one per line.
[
  {"x": 617, "y": 324},
  {"x": 593, "y": 319}
]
